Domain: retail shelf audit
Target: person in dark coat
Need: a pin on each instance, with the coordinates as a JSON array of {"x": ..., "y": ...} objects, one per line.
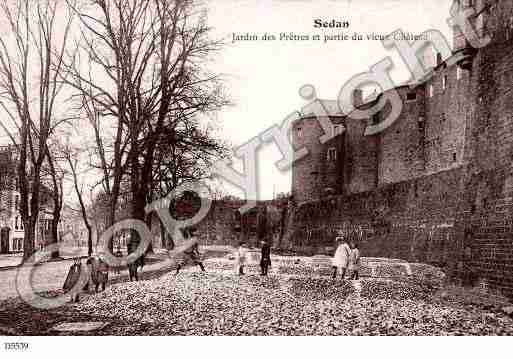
[
  {"x": 191, "y": 254},
  {"x": 139, "y": 262},
  {"x": 265, "y": 260},
  {"x": 118, "y": 254},
  {"x": 99, "y": 272},
  {"x": 72, "y": 279}
]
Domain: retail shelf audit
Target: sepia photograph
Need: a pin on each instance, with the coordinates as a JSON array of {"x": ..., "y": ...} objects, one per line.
[{"x": 254, "y": 168}]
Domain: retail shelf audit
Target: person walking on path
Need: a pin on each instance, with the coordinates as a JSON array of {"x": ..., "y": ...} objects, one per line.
[
  {"x": 192, "y": 253},
  {"x": 99, "y": 271},
  {"x": 240, "y": 258},
  {"x": 265, "y": 260},
  {"x": 354, "y": 261},
  {"x": 133, "y": 244},
  {"x": 341, "y": 258},
  {"x": 118, "y": 254}
]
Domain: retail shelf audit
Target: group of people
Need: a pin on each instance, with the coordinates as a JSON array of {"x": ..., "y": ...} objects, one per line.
[
  {"x": 97, "y": 274},
  {"x": 241, "y": 258},
  {"x": 346, "y": 259}
]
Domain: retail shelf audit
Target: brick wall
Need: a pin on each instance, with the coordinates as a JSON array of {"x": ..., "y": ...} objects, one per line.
[
  {"x": 457, "y": 214},
  {"x": 413, "y": 220},
  {"x": 487, "y": 210}
]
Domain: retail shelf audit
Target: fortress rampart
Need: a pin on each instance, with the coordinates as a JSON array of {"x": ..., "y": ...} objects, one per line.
[{"x": 436, "y": 186}]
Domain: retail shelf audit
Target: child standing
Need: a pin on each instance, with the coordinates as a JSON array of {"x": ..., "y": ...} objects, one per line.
[
  {"x": 240, "y": 258},
  {"x": 354, "y": 261},
  {"x": 265, "y": 259},
  {"x": 341, "y": 257}
]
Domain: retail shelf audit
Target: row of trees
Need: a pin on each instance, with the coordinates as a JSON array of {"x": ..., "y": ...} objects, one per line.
[{"x": 114, "y": 95}]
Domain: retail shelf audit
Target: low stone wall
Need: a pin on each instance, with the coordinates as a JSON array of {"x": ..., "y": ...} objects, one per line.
[
  {"x": 413, "y": 220},
  {"x": 320, "y": 266}
]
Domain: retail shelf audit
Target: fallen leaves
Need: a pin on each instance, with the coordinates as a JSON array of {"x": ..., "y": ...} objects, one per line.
[
  {"x": 301, "y": 299},
  {"x": 196, "y": 303}
]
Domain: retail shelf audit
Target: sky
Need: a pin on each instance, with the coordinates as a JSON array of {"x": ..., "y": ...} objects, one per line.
[{"x": 264, "y": 77}]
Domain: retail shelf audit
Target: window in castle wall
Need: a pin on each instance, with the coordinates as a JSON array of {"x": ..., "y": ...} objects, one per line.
[
  {"x": 411, "y": 96},
  {"x": 332, "y": 154},
  {"x": 431, "y": 90},
  {"x": 420, "y": 123},
  {"x": 444, "y": 82},
  {"x": 458, "y": 73},
  {"x": 376, "y": 118},
  {"x": 299, "y": 132}
]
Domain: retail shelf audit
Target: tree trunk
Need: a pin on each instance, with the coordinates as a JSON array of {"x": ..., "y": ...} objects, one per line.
[
  {"x": 55, "y": 223},
  {"x": 55, "y": 234},
  {"x": 148, "y": 222},
  {"x": 89, "y": 240},
  {"x": 163, "y": 235},
  {"x": 57, "y": 196},
  {"x": 111, "y": 219},
  {"x": 29, "y": 239}
]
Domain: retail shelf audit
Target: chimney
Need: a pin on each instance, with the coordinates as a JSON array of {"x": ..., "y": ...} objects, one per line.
[
  {"x": 438, "y": 59},
  {"x": 357, "y": 97}
]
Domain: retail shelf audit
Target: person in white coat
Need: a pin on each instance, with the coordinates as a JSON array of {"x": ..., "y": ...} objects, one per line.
[
  {"x": 240, "y": 259},
  {"x": 341, "y": 258}
]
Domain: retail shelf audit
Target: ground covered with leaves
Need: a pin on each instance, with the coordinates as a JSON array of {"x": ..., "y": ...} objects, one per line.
[{"x": 288, "y": 302}]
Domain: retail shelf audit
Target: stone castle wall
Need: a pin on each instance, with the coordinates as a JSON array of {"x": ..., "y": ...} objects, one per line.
[{"x": 440, "y": 192}]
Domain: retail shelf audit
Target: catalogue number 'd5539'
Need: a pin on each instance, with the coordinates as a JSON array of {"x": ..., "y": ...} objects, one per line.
[{"x": 16, "y": 346}]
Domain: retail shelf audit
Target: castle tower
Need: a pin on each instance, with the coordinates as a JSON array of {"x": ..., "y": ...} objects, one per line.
[
  {"x": 461, "y": 45},
  {"x": 319, "y": 173}
]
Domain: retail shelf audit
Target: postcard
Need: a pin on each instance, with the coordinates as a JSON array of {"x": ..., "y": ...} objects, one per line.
[{"x": 248, "y": 169}]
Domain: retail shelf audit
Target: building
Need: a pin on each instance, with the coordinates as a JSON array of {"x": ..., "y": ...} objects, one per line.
[
  {"x": 11, "y": 224},
  {"x": 437, "y": 185}
]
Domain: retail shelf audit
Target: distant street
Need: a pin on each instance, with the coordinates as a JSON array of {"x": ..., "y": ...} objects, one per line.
[
  {"x": 10, "y": 260},
  {"x": 50, "y": 276}
]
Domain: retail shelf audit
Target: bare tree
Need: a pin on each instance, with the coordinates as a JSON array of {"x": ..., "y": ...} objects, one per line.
[
  {"x": 31, "y": 54},
  {"x": 55, "y": 176},
  {"x": 72, "y": 160},
  {"x": 150, "y": 56},
  {"x": 188, "y": 158}
]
